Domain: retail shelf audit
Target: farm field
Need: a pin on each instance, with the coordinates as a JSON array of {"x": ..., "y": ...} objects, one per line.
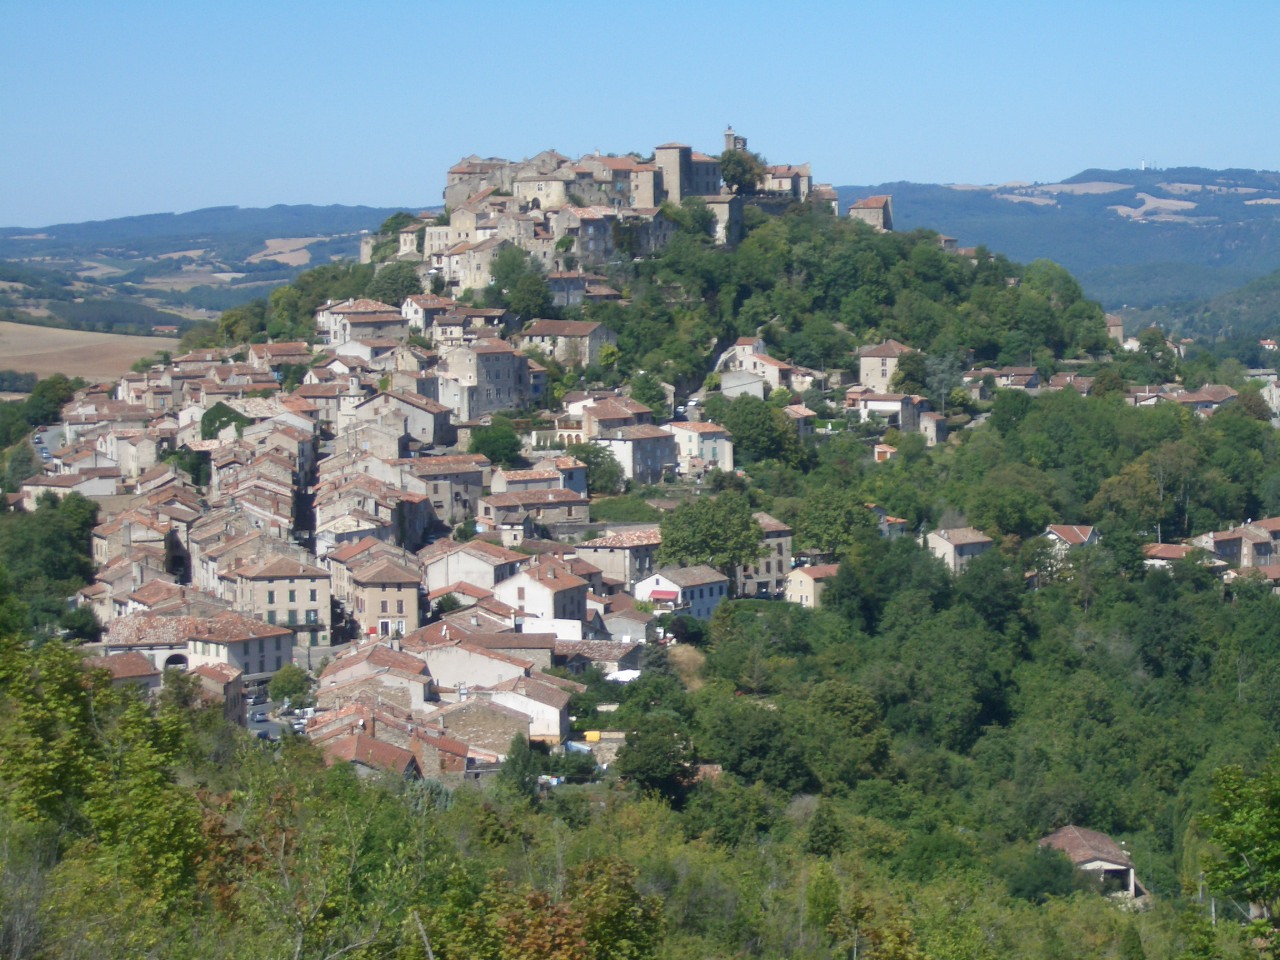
[{"x": 94, "y": 356}]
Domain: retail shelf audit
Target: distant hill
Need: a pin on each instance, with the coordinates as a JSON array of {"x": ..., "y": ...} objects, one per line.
[
  {"x": 1247, "y": 313},
  {"x": 127, "y": 274},
  {"x": 1136, "y": 237},
  {"x": 159, "y": 233}
]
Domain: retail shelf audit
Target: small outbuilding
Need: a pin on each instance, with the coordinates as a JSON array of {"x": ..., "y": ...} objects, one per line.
[{"x": 1099, "y": 854}]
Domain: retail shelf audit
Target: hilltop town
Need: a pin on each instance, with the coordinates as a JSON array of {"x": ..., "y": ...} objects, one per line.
[
  {"x": 567, "y": 213},
  {"x": 322, "y": 504}
]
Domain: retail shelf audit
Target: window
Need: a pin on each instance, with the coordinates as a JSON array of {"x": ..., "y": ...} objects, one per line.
[
  {"x": 262, "y": 644},
  {"x": 384, "y": 607},
  {"x": 271, "y": 596},
  {"x": 399, "y": 606},
  {"x": 277, "y": 644},
  {"x": 313, "y": 596},
  {"x": 293, "y": 596},
  {"x": 279, "y": 662},
  {"x": 313, "y": 616},
  {"x": 293, "y": 618},
  {"x": 271, "y": 618}
]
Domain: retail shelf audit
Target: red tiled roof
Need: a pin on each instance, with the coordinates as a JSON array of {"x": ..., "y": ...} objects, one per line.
[
  {"x": 887, "y": 349},
  {"x": 125, "y": 666},
  {"x": 365, "y": 750},
  {"x": 1083, "y": 846},
  {"x": 560, "y": 328},
  {"x": 234, "y": 628},
  {"x": 1073, "y": 535}
]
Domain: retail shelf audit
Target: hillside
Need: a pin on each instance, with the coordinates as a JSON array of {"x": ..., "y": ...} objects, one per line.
[
  {"x": 868, "y": 776},
  {"x": 1136, "y": 237}
]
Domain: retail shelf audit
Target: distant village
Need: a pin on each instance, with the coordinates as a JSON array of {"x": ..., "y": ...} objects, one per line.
[{"x": 330, "y": 532}]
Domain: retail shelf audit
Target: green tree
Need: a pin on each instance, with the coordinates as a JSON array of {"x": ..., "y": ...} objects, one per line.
[
  {"x": 832, "y": 518},
  {"x": 395, "y": 223},
  {"x": 658, "y": 757},
  {"x": 290, "y": 683},
  {"x": 531, "y": 297},
  {"x": 604, "y": 472},
  {"x": 1243, "y": 826},
  {"x": 742, "y": 170},
  {"x": 912, "y": 373},
  {"x": 395, "y": 283},
  {"x": 719, "y": 531},
  {"x": 760, "y": 431},
  {"x": 825, "y": 836},
  {"x": 510, "y": 264},
  {"x": 519, "y": 772},
  {"x": 20, "y": 466},
  {"x": 647, "y": 389},
  {"x": 499, "y": 442},
  {"x": 1039, "y": 874},
  {"x": 44, "y": 405}
]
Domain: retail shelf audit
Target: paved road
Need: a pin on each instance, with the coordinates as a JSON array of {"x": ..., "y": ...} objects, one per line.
[
  {"x": 270, "y": 725},
  {"x": 50, "y": 439}
]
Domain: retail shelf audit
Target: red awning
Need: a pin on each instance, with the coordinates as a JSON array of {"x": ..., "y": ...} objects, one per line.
[{"x": 664, "y": 595}]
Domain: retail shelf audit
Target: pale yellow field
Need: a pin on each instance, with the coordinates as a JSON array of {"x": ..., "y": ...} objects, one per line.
[
  {"x": 94, "y": 356},
  {"x": 291, "y": 251}
]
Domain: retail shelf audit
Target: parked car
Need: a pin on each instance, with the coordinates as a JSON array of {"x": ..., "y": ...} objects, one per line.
[
  {"x": 258, "y": 716},
  {"x": 299, "y": 726}
]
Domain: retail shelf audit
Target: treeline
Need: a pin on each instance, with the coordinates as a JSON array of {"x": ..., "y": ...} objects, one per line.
[
  {"x": 42, "y": 283},
  {"x": 115, "y": 316},
  {"x": 14, "y": 381},
  {"x": 1139, "y": 474}
]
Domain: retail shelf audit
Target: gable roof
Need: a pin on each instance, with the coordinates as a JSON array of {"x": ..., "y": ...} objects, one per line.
[
  {"x": 561, "y": 328},
  {"x": 365, "y": 750},
  {"x": 697, "y": 576},
  {"x": 281, "y": 568},
  {"x": 650, "y": 536},
  {"x": 385, "y": 570},
  {"x": 1069, "y": 534},
  {"x": 1084, "y": 846},
  {"x": 125, "y": 666},
  {"x": 886, "y": 348},
  {"x": 233, "y": 628},
  {"x": 960, "y": 536}
]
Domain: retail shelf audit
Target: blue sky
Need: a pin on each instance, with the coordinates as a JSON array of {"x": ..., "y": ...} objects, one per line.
[{"x": 139, "y": 107}]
